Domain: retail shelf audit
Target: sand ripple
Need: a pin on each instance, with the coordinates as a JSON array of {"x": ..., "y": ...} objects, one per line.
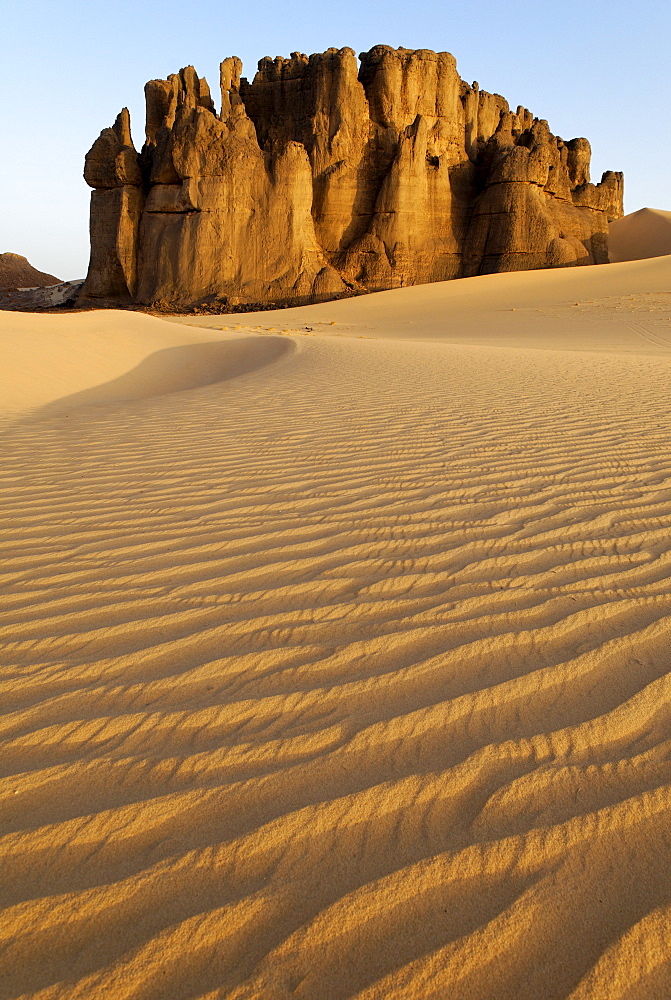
[{"x": 347, "y": 678}]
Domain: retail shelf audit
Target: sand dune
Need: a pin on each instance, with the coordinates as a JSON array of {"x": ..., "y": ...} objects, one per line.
[
  {"x": 620, "y": 307},
  {"x": 646, "y": 233},
  {"x": 53, "y": 364},
  {"x": 337, "y": 666}
]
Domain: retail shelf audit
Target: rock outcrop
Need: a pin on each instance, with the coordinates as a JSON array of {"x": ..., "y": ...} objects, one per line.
[
  {"x": 17, "y": 272},
  {"x": 325, "y": 176},
  {"x": 65, "y": 294}
]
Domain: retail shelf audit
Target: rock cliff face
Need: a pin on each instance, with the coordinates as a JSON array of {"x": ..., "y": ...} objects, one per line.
[
  {"x": 324, "y": 177},
  {"x": 17, "y": 272}
]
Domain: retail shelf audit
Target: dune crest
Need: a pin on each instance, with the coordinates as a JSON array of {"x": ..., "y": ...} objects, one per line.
[
  {"x": 55, "y": 364},
  {"x": 642, "y": 234},
  {"x": 346, "y": 677}
]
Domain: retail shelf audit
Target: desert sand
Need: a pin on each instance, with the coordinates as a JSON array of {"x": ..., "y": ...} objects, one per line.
[
  {"x": 336, "y": 647},
  {"x": 642, "y": 234}
]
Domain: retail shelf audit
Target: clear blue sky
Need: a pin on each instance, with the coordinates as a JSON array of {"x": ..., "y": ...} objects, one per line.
[{"x": 596, "y": 69}]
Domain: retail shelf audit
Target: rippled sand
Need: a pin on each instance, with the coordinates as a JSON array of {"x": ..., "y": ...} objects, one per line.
[{"x": 343, "y": 672}]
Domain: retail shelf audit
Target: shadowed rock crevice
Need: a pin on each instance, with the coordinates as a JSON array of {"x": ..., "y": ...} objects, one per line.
[{"x": 326, "y": 176}]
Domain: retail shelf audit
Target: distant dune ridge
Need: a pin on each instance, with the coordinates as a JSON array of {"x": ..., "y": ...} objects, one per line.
[
  {"x": 646, "y": 233},
  {"x": 325, "y": 176},
  {"x": 335, "y": 647},
  {"x": 17, "y": 272}
]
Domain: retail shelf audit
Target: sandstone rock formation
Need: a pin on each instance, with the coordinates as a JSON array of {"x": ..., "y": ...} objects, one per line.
[
  {"x": 324, "y": 177},
  {"x": 17, "y": 272}
]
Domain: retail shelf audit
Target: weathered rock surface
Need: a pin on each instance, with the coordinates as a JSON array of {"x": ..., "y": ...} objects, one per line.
[
  {"x": 324, "y": 177},
  {"x": 17, "y": 272}
]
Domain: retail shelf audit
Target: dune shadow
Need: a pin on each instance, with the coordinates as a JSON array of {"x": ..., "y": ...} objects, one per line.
[{"x": 176, "y": 369}]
